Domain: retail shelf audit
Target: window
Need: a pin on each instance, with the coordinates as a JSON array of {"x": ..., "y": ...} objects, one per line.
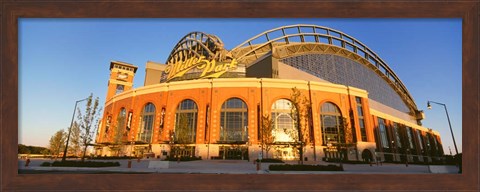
[
  {"x": 146, "y": 123},
  {"x": 396, "y": 131},
  {"x": 427, "y": 141},
  {"x": 331, "y": 124},
  {"x": 285, "y": 129},
  {"x": 410, "y": 137},
  {"x": 120, "y": 89},
  {"x": 234, "y": 121},
  {"x": 419, "y": 136},
  {"x": 121, "y": 120},
  {"x": 435, "y": 143},
  {"x": 107, "y": 124},
  {"x": 186, "y": 122},
  {"x": 438, "y": 145},
  {"x": 361, "y": 120},
  {"x": 383, "y": 133}
]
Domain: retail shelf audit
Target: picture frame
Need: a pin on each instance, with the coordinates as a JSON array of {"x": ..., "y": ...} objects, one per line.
[{"x": 13, "y": 10}]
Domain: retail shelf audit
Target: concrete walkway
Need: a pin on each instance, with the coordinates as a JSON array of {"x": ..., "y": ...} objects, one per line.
[{"x": 230, "y": 167}]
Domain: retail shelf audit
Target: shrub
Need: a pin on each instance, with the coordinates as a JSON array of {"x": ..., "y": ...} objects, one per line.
[
  {"x": 288, "y": 167},
  {"x": 270, "y": 161},
  {"x": 349, "y": 162},
  {"x": 337, "y": 160},
  {"x": 84, "y": 164},
  {"x": 112, "y": 157},
  {"x": 183, "y": 158}
]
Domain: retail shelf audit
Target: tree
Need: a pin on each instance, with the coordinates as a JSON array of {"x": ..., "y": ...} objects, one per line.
[
  {"x": 75, "y": 142},
  {"x": 344, "y": 144},
  {"x": 170, "y": 142},
  {"x": 301, "y": 115},
  {"x": 183, "y": 132},
  {"x": 267, "y": 136},
  {"x": 238, "y": 146},
  {"x": 22, "y": 149},
  {"x": 345, "y": 126},
  {"x": 86, "y": 121},
  {"x": 57, "y": 142},
  {"x": 45, "y": 152},
  {"x": 118, "y": 136}
]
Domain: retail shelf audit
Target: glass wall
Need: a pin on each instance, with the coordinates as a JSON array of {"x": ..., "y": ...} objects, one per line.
[
  {"x": 410, "y": 137},
  {"x": 383, "y": 133},
  {"x": 419, "y": 137},
  {"x": 186, "y": 122},
  {"x": 361, "y": 120},
  {"x": 331, "y": 124},
  {"x": 396, "y": 132},
  {"x": 234, "y": 121},
  {"x": 121, "y": 119},
  {"x": 285, "y": 129},
  {"x": 146, "y": 123}
]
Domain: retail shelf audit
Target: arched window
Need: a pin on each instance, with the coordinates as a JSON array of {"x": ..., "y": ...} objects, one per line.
[
  {"x": 107, "y": 124},
  {"x": 331, "y": 121},
  {"x": 119, "y": 89},
  {"x": 186, "y": 122},
  {"x": 285, "y": 129},
  {"x": 146, "y": 123},
  {"x": 121, "y": 119},
  {"x": 234, "y": 121}
]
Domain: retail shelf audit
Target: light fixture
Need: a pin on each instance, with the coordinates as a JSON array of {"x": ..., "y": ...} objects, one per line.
[
  {"x": 70, "y": 129},
  {"x": 448, "y": 118}
]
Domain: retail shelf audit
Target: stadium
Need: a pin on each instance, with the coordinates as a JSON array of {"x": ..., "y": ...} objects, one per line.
[{"x": 298, "y": 92}]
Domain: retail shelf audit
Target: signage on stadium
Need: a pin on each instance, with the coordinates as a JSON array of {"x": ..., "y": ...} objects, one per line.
[{"x": 206, "y": 68}]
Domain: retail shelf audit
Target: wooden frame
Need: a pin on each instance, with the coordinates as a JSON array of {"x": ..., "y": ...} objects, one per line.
[{"x": 12, "y": 10}]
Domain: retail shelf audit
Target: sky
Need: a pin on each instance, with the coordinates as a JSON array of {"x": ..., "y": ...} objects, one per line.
[{"x": 65, "y": 60}]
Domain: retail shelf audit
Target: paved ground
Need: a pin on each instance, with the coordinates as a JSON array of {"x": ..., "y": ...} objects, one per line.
[{"x": 229, "y": 167}]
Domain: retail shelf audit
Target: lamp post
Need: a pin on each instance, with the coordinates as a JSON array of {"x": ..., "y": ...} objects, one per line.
[
  {"x": 248, "y": 146},
  {"x": 406, "y": 158},
  {"x": 131, "y": 146},
  {"x": 428, "y": 158},
  {"x": 70, "y": 129},
  {"x": 448, "y": 118},
  {"x": 329, "y": 148},
  {"x": 394, "y": 151},
  {"x": 172, "y": 137}
]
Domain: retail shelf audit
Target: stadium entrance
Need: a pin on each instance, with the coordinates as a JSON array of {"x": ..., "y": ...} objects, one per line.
[
  {"x": 234, "y": 153},
  {"x": 286, "y": 153}
]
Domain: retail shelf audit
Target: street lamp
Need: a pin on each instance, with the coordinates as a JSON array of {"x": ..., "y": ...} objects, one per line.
[
  {"x": 131, "y": 146},
  {"x": 248, "y": 146},
  {"x": 394, "y": 151},
  {"x": 329, "y": 148},
  {"x": 406, "y": 159},
  {"x": 448, "y": 118},
  {"x": 70, "y": 129},
  {"x": 172, "y": 137}
]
